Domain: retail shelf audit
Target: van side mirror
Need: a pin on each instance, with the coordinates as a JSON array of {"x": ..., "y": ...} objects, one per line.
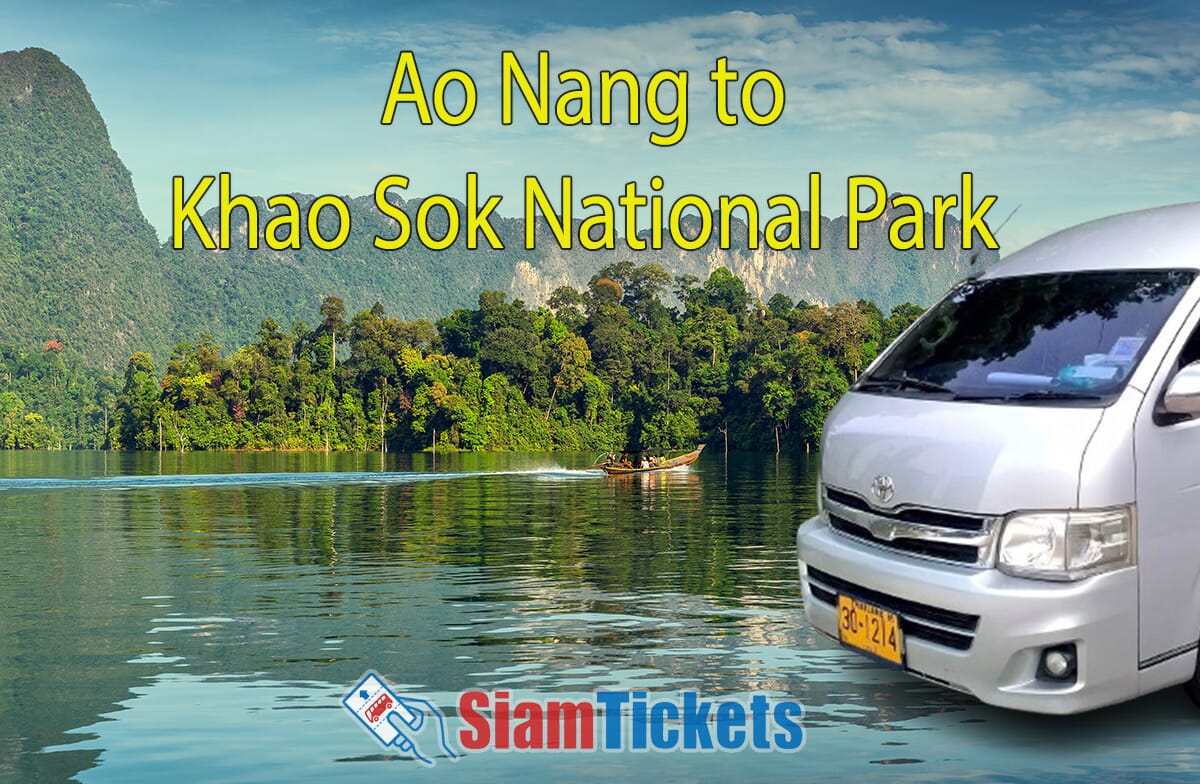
[{"x": 1183, "y": 393}]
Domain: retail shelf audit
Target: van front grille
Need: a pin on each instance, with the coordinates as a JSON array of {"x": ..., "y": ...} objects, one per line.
[
  {"x": 944, "y": 551},
  {"x": 950, "y": 537},
  {"x": 940, "y": 626},
  {"x": 918, "y": 515}
]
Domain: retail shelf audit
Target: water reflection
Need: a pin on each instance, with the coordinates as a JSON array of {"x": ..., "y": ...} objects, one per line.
[{"x": 207, "y": 630}]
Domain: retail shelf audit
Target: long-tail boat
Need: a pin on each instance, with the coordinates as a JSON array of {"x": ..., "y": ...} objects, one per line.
[{"x": 614, "y": 465}]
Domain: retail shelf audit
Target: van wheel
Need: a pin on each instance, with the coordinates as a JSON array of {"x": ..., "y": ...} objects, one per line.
[{"x": 1192, "y": 687}]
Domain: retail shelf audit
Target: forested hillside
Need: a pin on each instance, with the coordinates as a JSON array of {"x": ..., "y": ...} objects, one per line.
[
  {"x": 78, "y": 261},
  {"x": 610, "y": 367}
]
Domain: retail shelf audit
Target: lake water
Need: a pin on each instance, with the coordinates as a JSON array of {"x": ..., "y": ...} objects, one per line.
[{"x": 199, "y": 617}]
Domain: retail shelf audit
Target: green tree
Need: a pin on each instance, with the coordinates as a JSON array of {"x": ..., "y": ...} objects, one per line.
[
  {"x": 845, "y": 333},
  {"x": 333, "y": 312},
  {"x": 572, "y": 357},
  {"x": 899, "y": 320},
  {"x": 138, "y": 405}
]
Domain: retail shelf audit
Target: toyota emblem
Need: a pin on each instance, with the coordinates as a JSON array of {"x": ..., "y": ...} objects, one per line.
[{"x": 884, "y": 488}]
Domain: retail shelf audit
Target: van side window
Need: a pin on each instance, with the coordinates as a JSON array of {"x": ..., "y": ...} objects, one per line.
[
  {"x": 1191, "y": 351},
  {"x": 1189, "y": 354}
]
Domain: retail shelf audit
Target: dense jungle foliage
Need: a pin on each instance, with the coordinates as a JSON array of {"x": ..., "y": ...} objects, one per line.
[{"x": 608, "y": 367}]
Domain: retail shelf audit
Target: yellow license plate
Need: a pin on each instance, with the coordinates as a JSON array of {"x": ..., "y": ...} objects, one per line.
[{"x": 870, "y": 629}]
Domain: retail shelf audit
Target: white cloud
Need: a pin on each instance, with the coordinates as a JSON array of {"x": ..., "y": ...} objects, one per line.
[
  {"x": 1154, "y": 51},
  {"x": 1085, "y": 78},
  {"x": 141, "y": 6},
  {"x": 959, "y": 144},
  {"x": 1111, "y": 129}
]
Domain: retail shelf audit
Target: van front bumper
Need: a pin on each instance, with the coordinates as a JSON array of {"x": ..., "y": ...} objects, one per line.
[{"x": 1018, "y": 618}]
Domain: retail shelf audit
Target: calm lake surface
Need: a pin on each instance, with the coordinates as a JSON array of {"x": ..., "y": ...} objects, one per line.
[{"x": 198, "y": 617}]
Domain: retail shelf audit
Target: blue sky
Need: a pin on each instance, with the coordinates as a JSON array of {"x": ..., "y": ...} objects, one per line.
[{"x": 1070, "y": 111}]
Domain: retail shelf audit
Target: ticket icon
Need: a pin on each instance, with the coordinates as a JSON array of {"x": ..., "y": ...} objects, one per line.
[{"x": 393, "y": 720}]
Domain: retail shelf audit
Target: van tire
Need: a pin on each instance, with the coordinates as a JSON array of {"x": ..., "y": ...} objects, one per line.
[{"x": 1192, "y": 687}]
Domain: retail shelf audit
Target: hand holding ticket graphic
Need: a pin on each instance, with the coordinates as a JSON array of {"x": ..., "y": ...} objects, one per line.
[
  {"x": 395, "y": 720},
  {"x": 424, "y": 715}
]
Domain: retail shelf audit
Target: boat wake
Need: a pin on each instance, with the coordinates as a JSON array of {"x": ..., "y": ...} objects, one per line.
[
  {"x": 556, "y": 472},
  {"x": 309, "y": 479}
]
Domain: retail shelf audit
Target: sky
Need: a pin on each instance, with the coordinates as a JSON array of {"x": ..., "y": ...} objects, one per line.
[{"x": 1065, "y": 111}]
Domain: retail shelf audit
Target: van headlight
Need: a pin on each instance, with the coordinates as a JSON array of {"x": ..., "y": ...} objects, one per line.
[{"x": 1066, "y": 545}]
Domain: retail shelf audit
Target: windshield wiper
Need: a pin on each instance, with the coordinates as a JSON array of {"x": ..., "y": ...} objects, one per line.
[
  {"x": 904, "y": 382},
  {"x": 1037, "y": 394}
]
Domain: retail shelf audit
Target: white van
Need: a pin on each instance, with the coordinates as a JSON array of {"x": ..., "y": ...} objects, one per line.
[{"x": 1010, "y": 495}]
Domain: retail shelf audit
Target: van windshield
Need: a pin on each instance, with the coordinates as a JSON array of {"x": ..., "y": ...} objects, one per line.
[{"x": 1069, "y": 337}]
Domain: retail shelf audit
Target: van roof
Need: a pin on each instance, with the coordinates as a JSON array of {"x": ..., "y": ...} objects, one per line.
[{"x": 1163, "y": 237}]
